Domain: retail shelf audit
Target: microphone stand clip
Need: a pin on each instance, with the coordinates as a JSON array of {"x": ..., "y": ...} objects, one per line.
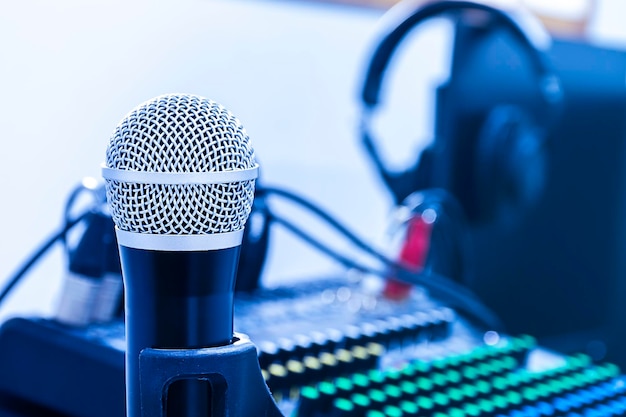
[{"x": 233, "y": 371}]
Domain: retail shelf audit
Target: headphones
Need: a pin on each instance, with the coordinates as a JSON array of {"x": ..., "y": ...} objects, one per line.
[{"x": 496, "y": 161}]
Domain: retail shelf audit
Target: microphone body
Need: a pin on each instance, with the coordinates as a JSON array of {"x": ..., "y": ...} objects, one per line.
[
  {"x": 193, "y": 310},
  {"x": 180, "y": 174}
]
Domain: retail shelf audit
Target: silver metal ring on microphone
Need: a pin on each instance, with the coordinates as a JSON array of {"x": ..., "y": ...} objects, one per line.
[{"x": 210, "y": 177}]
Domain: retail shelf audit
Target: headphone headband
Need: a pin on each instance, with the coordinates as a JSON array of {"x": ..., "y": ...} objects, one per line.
[{"x": 549, "y": 83}]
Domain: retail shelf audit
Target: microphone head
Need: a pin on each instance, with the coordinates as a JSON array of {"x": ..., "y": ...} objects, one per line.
[{"x": 180, "y": 164}]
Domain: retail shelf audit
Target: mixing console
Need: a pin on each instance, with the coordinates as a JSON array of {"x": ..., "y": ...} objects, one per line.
[{"x": 332, "y": 348}]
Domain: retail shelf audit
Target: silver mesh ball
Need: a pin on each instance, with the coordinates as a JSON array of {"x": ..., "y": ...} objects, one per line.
[{"x": 180, "y": 133}]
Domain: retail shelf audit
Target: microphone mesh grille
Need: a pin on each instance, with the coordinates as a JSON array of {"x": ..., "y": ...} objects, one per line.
[{"x": 182, "y": 134}]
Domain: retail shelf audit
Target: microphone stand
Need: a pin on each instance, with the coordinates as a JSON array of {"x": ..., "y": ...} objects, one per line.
[{"x": 233, "y": 372}]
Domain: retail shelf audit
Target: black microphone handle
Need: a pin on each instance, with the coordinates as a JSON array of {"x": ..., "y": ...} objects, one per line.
[{"x": 178, "y": 299}]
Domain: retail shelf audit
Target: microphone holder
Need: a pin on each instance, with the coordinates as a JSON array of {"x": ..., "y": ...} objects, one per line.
[{"x": 233, "y": 371}]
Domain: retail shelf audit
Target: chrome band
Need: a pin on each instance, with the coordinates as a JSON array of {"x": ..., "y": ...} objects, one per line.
[
  {"x": 179, "y": 243},
  {"x": 144, "y": 177}
]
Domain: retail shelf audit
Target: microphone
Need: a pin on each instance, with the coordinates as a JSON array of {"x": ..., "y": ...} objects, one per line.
[{"x": 180, "y": 175}]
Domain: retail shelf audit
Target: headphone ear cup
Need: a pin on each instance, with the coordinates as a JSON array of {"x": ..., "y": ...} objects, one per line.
[{"x": 509, "y": 170}]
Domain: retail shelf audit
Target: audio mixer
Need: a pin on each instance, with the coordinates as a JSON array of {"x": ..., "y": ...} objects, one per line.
[{"x": 331, "y": 347}]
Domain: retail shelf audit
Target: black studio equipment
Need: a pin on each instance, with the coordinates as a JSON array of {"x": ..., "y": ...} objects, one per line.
[
  {"x": 93, "y": 288},
  {"x": 558, "y": 272},
  {"x": 529, "y": 137},
  {"x": 254, "y": 248}
]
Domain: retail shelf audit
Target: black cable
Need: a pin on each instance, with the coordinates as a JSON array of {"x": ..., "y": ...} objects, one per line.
[
  {"x": 343, "y": 260},
  {"x": 357, "y": 241},
  {"x": 440, "y": 286},
  {"x": 58, "y": 236},
  {"x": 96, "y": 193},
  {"x": 354, "y": 239}
]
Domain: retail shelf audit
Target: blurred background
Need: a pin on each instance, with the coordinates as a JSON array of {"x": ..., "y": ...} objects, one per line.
[{"x": 290, "y": 70}]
